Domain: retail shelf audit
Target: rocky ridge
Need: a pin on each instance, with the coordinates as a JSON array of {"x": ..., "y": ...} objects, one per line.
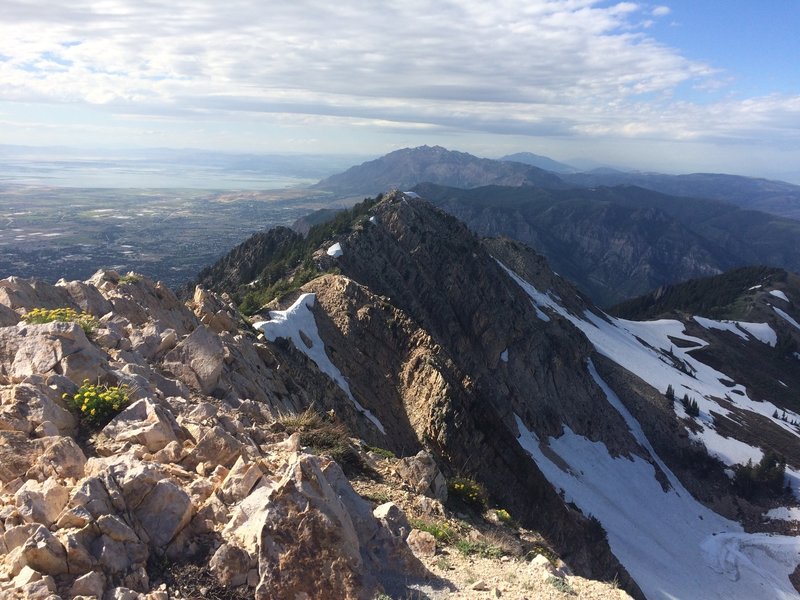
[{"x": 199, "y": 487}]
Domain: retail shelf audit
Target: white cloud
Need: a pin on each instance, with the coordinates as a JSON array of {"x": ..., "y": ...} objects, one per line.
[{"x": 527, "y": 67}]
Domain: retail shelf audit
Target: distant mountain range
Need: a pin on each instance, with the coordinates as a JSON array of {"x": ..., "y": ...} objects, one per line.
[
  {"x": 615, "y": 234},
  {"x": 405, "y": 168},
  {"x": 774, "y": 197},
  {"x": 542, "y": 162}
]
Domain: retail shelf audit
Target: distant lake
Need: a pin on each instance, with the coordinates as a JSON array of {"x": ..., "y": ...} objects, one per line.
[{"x": 135, "y": 174}]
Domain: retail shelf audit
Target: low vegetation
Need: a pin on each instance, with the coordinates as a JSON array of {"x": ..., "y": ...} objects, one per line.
[
  {"x": 97, "y": 404},
  {"x": 65, "y": 315},
  {"x": 321, "y": 435},
  {"x": 714, "y": 297},
  {"x": 291, "y": 265},
  {"x": 765, "y": 478},
  {"x": 468, "y": 492}
]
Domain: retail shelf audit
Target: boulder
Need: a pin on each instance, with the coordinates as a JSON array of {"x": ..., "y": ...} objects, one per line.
[
  {"x": 230, "y": 565},
  {"x": 44, "y": 553},
  {"x": 90, "y": 584},
  {"x": 240, "y": 481},
  {"x": 421, "y": 474},
  {"x": 88, "y": 299},
  {"x": 58, "y": 348},
  {"x": 319, "y": 534},
  {"x": 215, "y": 446},
  {"x": 421, "y": 543},
  {"x": 8, "y": 317},
  {"x": 145, "y": 423},
  {"x": 394, "y": 519},
  {"x": 308, "y": 541},
  {"x": 164, "y": 512},
  {"x": 41, "y": 502},
  {"x": 203, "y": 354},
  {"x": 20, "y": 293}
]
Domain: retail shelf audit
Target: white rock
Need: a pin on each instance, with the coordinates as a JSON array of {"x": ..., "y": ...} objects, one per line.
[
  {"x": 41, "y": 502},
  {"x": 421, "y": 543},
  {"x": 145, "y": 423}
]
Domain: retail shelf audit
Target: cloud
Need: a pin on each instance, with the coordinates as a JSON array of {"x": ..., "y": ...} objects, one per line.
[{"x": 529, "y": 67}]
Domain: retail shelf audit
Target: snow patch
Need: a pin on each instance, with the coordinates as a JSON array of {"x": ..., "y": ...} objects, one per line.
[
  {"x": 410, "y": 194},
  {"x": 538, "y": 298},
  {"x": 755, "y": 287},
  {"x": 647, "y": 350},
  {"x": 335, "y": 250},
  {"x": 296, "y": 323},
  {"x": 784, "y": 513},
  {"x": 786, "y": 317},
  {"x": 779, "y": 294},
  {"x": 761, "y": 331},
  {"x": 673, "y": 546},
  {"x": 373, "y": 220},
  {"x": 720, "y": 325},
  {"x": 504, "y": 355}
]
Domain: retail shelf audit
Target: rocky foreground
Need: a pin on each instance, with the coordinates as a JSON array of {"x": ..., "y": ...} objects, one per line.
[{"x": 215, "y": 481}]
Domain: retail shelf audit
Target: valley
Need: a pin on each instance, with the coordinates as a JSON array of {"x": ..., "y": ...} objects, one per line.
[{"x": 54, "y": 232}]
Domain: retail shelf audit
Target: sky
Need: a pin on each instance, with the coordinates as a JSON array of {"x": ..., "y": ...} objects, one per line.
[{"x": 673, "y": 86}]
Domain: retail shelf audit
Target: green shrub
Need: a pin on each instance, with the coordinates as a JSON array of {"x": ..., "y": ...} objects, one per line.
[
  {"x": 381, "y": 452},
  {"x": 479, "y": 548},
  {"x": 504, "y": 516},
  {"x": 766, "y": 477},
  {"x": 98, "y": 404},
  {"x": 65, "y": 315},
  {"x": 130, "y": 278},
  {"x": 443, "y": 532},
  {"x": 468, "y": 491},
  {"x": 561, "y": 585}
]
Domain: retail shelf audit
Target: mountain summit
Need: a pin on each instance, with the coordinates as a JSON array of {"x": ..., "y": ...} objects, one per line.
[{"x": 403, "y": 169}]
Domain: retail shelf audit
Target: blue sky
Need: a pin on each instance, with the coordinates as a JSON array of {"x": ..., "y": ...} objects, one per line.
[{"x": 674, "y": 86}]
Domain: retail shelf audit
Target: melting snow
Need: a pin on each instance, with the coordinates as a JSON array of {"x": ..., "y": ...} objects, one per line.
[
  {"x": 779, "y": 294},
  {"x": 786, "y": 317},
  {"x": 297, "y": 319},
  {"x": 760, "y": 331},
  {"x": 673, "y": 546},
  {"x": 784, "y": 513},
  {"x": 336, "y": 250},
  {"x": 647, "y": 350},
  {"x": 721, "y": 325}
]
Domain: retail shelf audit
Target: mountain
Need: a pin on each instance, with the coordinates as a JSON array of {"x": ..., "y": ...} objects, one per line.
[
  {"x": 402, "y": 169},
  {"x": 619, "y": 242},
  {"x": 403, "y": 388},
  {"x": 542, "y": 162},
  {"x": 774, "y": 197},
  {"x": 477, "y": 350}
]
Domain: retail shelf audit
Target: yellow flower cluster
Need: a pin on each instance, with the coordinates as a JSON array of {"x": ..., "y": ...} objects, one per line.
[
  {"x": 468, "y": 491},
  {"x": 67, "y": 315},
  {"x": 97, "y": 404}
]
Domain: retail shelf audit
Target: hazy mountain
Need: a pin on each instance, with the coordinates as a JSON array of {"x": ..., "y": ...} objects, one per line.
[
  {"x": 542, "y": 162},
  {"x": 405, "y": 168},
  {"x": 775, "y": 197},
  {"x": 619, "y": 242}
]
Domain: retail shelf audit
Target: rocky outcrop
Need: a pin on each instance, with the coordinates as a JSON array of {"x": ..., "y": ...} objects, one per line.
[{"x": 179, "y": 474}]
